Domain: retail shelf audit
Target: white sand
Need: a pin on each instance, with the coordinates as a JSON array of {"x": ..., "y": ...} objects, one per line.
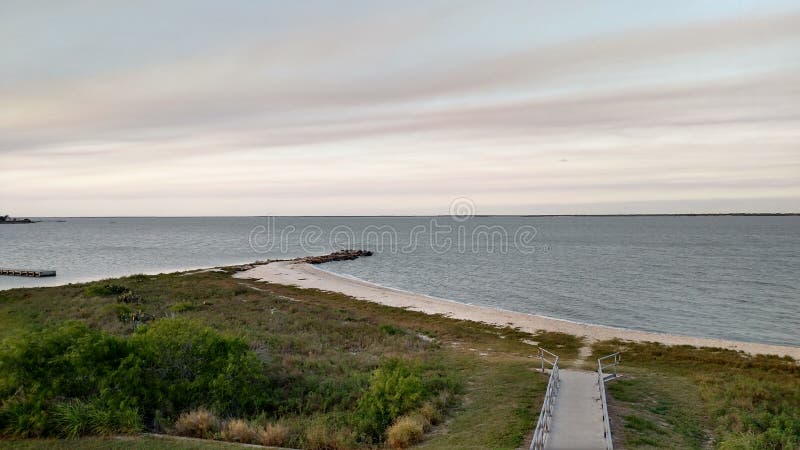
[{"x": 307, "y": 276}]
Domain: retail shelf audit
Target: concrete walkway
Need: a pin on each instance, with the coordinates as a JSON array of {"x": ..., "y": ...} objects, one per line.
[{"x": 578, "y": 416}]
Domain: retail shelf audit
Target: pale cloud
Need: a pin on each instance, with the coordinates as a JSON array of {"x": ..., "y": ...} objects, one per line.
[{"x": 382, "y": 114}]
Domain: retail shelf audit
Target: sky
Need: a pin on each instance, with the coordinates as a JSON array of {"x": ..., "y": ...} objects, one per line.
[{"x": 194, "y": 108}]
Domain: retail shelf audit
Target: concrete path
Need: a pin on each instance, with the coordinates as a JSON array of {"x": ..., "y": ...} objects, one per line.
[{"x": 578, "y": 416}]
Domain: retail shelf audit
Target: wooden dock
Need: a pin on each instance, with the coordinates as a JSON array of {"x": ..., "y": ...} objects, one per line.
[{"x": 27, "y": 272}]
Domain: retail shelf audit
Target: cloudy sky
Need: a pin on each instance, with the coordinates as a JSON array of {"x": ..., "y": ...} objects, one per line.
[{"x": 339, "y": 107}]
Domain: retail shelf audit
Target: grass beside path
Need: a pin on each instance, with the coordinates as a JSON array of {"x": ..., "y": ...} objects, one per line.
[
  {"x": 694, "y": 398},
  {"x": 502, "y": 402}
]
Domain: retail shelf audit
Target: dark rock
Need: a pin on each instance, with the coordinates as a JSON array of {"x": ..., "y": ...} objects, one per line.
[{"x": 342, "y": 255}]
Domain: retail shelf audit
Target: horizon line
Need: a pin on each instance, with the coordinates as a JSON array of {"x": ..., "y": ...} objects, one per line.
[{"x": 730, "y": 214}]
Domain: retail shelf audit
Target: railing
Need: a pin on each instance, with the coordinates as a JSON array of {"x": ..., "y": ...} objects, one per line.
[
  {"x": 601, "y": 382},
  {"x": 542, "y": 431}
]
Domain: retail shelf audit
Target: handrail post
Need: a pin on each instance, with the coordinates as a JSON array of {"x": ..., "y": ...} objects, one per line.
[
  {"x": 541, "y": 358},
  {"x": 542, "y": 430},
  {"x": 601, "y": 382}
]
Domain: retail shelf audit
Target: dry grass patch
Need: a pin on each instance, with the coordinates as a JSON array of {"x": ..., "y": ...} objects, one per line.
[
  {"x": 407, "y": 431},
  {"x": 320, "y": 436},
  {"x": 273, "y": 434},
  {"x": 238, "y": 430},
  {"x": 200, "y": 423},
  {"x": 431, "y": 413}
]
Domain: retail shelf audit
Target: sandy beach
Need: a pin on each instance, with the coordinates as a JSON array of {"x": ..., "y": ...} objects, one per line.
[{"x": 308, "y": 276}]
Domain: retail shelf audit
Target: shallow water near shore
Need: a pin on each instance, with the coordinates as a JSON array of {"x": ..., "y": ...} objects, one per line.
[{"x": 723, "y": 277}]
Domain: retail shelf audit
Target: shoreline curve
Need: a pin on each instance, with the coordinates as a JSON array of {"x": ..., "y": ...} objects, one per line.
[{"x": 307, "y": 276}]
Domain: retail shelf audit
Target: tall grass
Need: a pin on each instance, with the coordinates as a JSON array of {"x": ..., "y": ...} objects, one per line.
[
  {"x": 72, "y": 418},
  {"x": 78, "y": 418}
]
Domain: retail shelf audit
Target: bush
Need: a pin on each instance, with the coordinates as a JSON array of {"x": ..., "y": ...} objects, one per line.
[
  {"x": 23, "y": 419},
  {"x": 104, "y": 290},
  {"x": 238, "y": 430},
  {"x": 200, "y": 423},
  {"x": 69, "y": 380},
  {"x": 395, "y": 388},
  {"x": 406, "y": 431},
  {"x": 66, "y": 361},
  {"x": 179, "y": 365}
]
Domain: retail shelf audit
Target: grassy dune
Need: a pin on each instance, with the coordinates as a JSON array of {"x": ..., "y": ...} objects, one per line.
[
  {"x": 325, "y": 368},
  {"x": 320, "y": 352}
]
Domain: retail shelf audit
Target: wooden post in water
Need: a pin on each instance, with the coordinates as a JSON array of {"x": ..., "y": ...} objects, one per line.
[{"x": 27, "y": 272}]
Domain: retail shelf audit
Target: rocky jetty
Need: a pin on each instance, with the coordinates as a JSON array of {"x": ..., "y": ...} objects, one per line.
[{"x": 342, "y": 255}]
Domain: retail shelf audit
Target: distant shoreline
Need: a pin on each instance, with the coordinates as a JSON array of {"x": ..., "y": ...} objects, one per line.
[
  {"x": 17, "y": 222},
  {"x": 736, "y": 214},
  {"x": 305, "y": 275},
  {"x": 666, "y": 215}
]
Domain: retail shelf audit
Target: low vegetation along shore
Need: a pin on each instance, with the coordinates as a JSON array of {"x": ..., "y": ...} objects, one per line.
[{"x": 129, "y": 362}]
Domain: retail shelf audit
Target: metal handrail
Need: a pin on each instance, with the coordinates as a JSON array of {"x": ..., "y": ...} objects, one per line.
[
  {"x": 542, "y": 430},
  {"x": 601, "y": 382}
]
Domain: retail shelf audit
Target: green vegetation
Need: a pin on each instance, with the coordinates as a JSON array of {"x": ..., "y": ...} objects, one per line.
[
  {"x": 206, "y": 355},
  {"x": 70, "y": 380},
  {"x": 117, "y": 443},
  {"x": 104, "y": 290},
  {"x": 687, "y": 397},
  {"x": 210, "y": 356}
]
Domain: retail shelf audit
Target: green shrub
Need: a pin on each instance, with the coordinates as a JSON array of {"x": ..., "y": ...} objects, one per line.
[
  {"x": 104, "y": 290},
  {"x": 65, "y": 361},
  {"x": 69, "y": 380},
  {"x": 180, "y": 365},
  {"x": 24, "y": 419},
  {"x": 395, "y": 388}
]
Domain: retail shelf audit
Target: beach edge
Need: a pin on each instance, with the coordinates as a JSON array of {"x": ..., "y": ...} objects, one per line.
[{"x": 307, "y": 276}]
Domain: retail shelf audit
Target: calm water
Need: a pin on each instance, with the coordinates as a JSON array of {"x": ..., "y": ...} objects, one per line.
[{"x": 725, "y": 277}]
